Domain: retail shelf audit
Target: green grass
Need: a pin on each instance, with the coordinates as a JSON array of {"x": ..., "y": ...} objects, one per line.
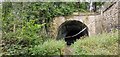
[
  {"x": 50, "y": 47},
  {"x": 103, "y": 44}
]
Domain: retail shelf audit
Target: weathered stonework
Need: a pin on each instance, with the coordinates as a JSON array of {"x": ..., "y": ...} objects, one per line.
[
  {"x": 87, "y": 20},
  {"x": 96, "y": 23},
  {"x": 110, "y": 17}
]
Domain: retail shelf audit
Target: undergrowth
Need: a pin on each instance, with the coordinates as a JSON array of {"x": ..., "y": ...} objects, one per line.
[{"x": 102, "y": 44}]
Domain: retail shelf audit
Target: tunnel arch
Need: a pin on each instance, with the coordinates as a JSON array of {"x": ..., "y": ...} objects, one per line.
[{"x": 70, "y": 28}]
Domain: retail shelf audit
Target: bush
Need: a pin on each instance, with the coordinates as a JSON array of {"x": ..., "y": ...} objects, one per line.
[
  {"x": 19, "y": 42},
  {"x": 50, "y": 47},
  {"x": 104, "y": 44}
]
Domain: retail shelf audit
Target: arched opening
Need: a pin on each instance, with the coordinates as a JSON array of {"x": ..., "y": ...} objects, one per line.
[{"x": 72, "y": 30}]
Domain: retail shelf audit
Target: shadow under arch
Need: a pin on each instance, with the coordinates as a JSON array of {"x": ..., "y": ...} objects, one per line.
[{"x": 70, "y": 28}]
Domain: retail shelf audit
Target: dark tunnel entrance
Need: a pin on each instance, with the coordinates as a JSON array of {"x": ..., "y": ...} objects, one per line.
[{"x": 70, "y": 31}]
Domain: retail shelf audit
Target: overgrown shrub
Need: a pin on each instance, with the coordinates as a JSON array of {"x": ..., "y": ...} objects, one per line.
[
  {"x": 50, "y": 47},
  {"x": 21, "y": 40},
  {"x": 30, "y": 31}
]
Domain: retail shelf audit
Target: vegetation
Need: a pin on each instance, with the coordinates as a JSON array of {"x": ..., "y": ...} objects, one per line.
[
  {"x": 103, "y": 44},
  {"x": 26, "y": 25},
  {"x": 25, "y": 28},
  {"x": 50, "y": 47}
]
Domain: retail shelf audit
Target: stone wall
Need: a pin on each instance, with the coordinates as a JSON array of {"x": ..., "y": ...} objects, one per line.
[
  {"x": 111, "y": 17},
  {"x": 108, "y": 19}
]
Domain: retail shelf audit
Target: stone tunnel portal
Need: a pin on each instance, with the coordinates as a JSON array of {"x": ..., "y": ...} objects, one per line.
[{"x": 70, "y": 28}]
